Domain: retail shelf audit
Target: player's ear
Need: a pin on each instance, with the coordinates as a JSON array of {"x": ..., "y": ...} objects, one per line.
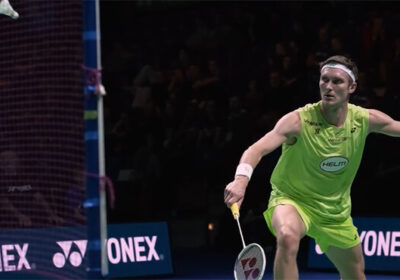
[{"x": 353, "y": 87}]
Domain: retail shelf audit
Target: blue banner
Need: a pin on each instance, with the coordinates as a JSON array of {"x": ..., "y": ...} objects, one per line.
[
  {"x": 146, "y": 252},
  {"x": 61, "y": 253},
  {"x": 380, "y": 239}
]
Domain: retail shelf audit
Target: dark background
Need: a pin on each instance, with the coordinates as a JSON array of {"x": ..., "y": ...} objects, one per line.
[{"x": 190, "y": 85}]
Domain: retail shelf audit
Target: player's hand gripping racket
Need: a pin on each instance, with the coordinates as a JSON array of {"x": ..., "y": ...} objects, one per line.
[{"x": 250, "y": 263}]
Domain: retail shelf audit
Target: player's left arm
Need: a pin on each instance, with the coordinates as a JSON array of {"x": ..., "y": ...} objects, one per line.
[{"x": 380, "y": 122}]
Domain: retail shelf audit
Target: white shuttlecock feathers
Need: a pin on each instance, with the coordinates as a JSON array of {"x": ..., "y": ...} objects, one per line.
[{"x": 6, "y": 9}]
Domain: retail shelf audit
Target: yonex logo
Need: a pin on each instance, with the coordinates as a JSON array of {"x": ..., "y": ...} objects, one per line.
[
  {"x": 13, "y": 257},
  {"x": 133, "y": 249},
  {"x": 75, "y": 258},
  {"x": 377, "y": 243},
  {"x": 248, "y": 268},
  {"x": 312, "y": 123}
]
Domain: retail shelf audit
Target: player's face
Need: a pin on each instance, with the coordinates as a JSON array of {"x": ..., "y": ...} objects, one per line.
[{"x": 335, "y": 86}]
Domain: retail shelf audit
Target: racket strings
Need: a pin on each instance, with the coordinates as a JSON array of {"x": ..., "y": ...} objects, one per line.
[{"x": 250, "y": 264}]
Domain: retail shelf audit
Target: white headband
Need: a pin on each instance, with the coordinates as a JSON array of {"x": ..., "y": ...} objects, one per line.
[{"x": 341, "y": 67}]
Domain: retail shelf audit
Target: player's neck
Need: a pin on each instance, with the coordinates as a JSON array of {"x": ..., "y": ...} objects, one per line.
[{"x": 335, "y": 115}]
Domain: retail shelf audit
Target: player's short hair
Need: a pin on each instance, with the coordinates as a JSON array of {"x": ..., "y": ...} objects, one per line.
[{"x": 342, "y": 60}]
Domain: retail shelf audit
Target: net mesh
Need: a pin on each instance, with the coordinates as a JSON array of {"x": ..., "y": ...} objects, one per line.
[
  {"x": 41, "y": 114},
  {"x": 42, "y": 179}
]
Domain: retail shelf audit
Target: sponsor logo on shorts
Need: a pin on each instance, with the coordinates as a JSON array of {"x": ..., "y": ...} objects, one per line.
[{"x": 333, "y": 164}]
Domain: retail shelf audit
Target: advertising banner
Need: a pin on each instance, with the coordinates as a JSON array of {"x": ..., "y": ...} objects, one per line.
[
  {"x": 61, "y": 253},
  {"x": 138, "y": 249},
  {"x": 380, "y": 239}
]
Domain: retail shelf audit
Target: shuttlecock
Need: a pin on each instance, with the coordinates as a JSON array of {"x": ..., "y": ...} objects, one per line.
[{"x": 6, "y": 9}]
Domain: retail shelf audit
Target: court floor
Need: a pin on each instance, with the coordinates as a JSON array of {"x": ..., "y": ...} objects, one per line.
[
  {"x": 303, "y": 276},
  {"x": 198, "y": 264}
]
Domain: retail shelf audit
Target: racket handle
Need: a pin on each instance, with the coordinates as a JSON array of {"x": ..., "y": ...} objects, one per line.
[{"x": 235, "y": 210}]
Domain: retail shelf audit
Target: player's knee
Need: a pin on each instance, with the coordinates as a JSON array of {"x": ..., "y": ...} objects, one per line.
[{"x": 288, "y": 240}]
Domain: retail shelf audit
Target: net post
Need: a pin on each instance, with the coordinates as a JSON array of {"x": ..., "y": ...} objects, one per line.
[
  {"x": 102, "y": 171},
  {"x": 94, "y": 146}
]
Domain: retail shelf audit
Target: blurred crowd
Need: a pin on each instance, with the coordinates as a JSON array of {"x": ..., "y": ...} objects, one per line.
[{"x": 190, "y": 85}]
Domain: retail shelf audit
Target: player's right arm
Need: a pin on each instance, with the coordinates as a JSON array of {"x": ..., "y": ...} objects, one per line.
[{"x": 286, "y": 130}]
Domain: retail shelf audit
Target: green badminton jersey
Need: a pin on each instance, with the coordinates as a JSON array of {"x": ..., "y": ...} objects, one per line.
[{"x": 318, "y": 170}]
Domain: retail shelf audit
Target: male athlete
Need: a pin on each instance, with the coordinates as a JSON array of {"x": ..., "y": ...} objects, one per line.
[
  {"x": 322, "y": 146},
  {"x": 6, "y": 9}
]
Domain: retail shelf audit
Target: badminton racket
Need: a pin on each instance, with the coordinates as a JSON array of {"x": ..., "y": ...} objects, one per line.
[{"x": 250, "y": 263}]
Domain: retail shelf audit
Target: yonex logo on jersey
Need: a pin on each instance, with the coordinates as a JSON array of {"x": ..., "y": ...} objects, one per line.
[
  {"x": 312, "y": 123},
  {"x": 248, "y": 268},
  {"x": 338, "y": 139},
  {"x": 333, "y": 164},
  {"x": 75, "y": 258}
]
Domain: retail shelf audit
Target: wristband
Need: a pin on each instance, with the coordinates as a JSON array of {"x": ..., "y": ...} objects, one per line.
[{"x": 244, "y": 169}]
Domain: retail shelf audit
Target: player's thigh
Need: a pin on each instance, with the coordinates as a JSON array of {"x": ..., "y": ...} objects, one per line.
[
  {"x": 286, "y": 218},
  {"x": 348, "y": 261}
]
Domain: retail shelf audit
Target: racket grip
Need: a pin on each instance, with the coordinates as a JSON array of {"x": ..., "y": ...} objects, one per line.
[{"x": 235, "y": 210}]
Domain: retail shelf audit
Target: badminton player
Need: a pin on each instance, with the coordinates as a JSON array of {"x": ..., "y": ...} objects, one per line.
[{"x": 322, "y": 146}]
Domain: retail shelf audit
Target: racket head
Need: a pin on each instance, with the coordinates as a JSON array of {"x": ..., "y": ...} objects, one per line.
[{"x": 250, "y": 263}]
